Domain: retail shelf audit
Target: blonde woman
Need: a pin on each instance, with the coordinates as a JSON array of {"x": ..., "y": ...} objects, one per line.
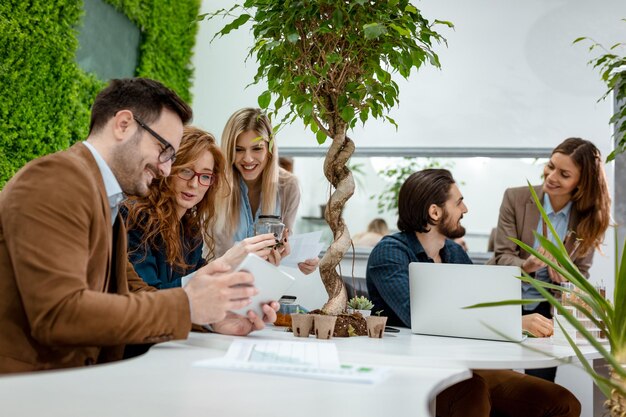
[{"x": 259, "y": 186}]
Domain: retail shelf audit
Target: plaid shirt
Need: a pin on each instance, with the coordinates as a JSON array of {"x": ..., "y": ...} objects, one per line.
[{"x": 388, "y": 273}]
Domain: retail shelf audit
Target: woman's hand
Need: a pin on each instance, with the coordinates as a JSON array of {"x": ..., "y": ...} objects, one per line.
[
  {"x": 307, "y": 267},
  {"x": 533, "y": 264},
  {"x": 281, "y": 250},
  {"x": 238, "y": 325},
  {"x": 260, "y": 245},
  {"x": 556, "y": 277},
  {"x": 537, "y": 325}
]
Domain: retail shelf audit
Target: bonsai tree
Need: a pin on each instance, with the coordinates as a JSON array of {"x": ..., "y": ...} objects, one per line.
[{"x": 329, "y": 63}]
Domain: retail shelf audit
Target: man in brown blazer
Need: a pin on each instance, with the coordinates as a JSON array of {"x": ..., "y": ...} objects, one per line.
[{"x": 68, "y": 295}]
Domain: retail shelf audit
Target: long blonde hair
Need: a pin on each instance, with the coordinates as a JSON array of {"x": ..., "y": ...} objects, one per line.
[{"x": 244, "y": 120}]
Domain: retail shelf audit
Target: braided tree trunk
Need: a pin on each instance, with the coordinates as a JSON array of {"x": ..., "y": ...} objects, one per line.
[{"x": 340, "y": 177}]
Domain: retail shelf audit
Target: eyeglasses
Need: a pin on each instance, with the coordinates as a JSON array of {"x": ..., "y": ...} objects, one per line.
[
  {"x": 168, "y": 153},
  {"x": 187, "y": 174}
]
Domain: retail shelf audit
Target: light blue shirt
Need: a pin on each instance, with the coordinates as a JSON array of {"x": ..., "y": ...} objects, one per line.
[
  {"x": 246, "y": 219},
  {"x": 560, "y": 221},
  {"x": 112, "y": 187}
]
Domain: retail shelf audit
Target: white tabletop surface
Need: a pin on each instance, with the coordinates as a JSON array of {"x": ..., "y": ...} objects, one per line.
[
  {"x": 405, "y": 348},
  {"x": 164, "y": 383}
]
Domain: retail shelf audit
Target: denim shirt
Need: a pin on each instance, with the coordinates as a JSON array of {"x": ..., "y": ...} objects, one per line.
[
  {"x": 246, "y": 220},
  {"x": 387, "y": 273},
  {"x": 560, "y": 221}
]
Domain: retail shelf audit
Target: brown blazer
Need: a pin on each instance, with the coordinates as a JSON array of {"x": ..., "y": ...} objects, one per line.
[
  {"x": 64, "y": 300},
  {"x": 519, "y": 217}
]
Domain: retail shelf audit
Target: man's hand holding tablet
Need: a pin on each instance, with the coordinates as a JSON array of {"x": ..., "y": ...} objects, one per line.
[{"x": 270, "y": 282}]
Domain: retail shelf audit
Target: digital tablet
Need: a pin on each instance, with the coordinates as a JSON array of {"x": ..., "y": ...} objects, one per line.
[{"x": 268, "y": 279}]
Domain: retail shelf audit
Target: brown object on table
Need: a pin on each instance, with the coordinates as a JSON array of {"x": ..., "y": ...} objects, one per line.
[
  {"x": 283, "y": 319},
  {"x": 348, "y": 324},
  {"x": 324, "y": 325},
  {"x": 376, "y": 326},
  {"x": 301, "y": 324}
]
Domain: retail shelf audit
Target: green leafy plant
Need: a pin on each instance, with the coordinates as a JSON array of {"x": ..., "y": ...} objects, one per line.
[
  {"x": 360, "y": 303},
  {"x": 609, "y": 317},
  {"x": 46, "y": 97},
  {"x": 612, "y": 66},
  {"x": 397, "y": 175},
  {"x": 379, "y": 312},
  {"x": 330, "y": 64}
]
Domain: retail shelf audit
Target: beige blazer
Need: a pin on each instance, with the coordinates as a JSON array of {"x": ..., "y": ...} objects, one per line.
[
  {"x": 65, "y": 299},
  {"x": 519, "y": 217}
]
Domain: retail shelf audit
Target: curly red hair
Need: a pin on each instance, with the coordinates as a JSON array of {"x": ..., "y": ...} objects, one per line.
[{"x": 155, "y": 214}]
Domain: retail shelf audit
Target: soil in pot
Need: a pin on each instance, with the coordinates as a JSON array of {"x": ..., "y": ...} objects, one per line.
[{"x": 348, "y": 324}]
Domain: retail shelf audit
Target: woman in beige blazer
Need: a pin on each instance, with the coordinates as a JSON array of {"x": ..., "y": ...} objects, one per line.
[{"x": 576, "y": 197}]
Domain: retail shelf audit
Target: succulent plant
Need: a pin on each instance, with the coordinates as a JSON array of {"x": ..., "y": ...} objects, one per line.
[{"x": 360, "y": 303}]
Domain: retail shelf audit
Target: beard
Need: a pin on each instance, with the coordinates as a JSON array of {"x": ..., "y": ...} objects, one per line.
[
  {"x": 128, "y": 167},
  {"x": 450, "y": 228}
]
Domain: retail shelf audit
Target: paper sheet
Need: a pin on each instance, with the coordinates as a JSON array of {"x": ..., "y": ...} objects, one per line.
[
  {"x": 303, "y": 246},
  {"x": 297, "y": 359}
]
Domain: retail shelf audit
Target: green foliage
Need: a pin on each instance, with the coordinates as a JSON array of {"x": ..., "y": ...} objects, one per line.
[
  {"x": 329, "y": 62},
  {"x": 37, "y": 80},
  {"x": 360, "y": 303},
  {"x": 46, "y": 97},
  {"x": 612, "y": 66},
  {"x": 397, "y": 174},
  {"x": 608, "y": 317},
  {"x": 611, "y": 319},
  {"x": 168, "y": 35}
]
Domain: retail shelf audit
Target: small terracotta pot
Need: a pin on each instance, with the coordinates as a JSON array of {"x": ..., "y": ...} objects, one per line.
[
  {"x": 376, "y": 326},
  {"x": 324, "y": 326},
  {"x": 301, "y": 324}
]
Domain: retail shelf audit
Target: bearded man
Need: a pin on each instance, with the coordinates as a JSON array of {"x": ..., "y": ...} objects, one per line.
[{"x": 430, "y": 209}]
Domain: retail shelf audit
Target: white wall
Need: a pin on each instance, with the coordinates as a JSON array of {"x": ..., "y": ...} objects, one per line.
[{"x": 510, "y": 77}]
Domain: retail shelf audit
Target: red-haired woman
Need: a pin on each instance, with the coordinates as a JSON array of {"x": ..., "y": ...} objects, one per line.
[{"x": 166, "y": 228}]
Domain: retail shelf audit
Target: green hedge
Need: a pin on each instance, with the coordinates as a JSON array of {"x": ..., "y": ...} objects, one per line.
[{"x": 46, "y": 97}]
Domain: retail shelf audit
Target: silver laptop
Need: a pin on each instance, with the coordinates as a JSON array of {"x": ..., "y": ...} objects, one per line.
[{"x": 440, "y": 291}]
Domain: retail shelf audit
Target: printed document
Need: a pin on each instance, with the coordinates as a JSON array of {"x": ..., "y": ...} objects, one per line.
[
  {"x": 303, "y": 246},
  {"x": 298, "y": 359}
]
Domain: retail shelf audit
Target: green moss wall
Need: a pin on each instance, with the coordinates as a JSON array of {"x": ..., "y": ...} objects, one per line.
[{"x": 45, "y": 97}]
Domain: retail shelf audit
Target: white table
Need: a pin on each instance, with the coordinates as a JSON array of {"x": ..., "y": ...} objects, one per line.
[
  {"x": 405, "y": 348},
  {"x": 163, "y": 383}
]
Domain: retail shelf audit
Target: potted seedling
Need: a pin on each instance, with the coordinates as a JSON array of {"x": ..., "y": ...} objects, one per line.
[
  {"x": 376, "y": 325},
  {"x": 361, "y": 305},
  {"x": 301, "y": 323}
]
